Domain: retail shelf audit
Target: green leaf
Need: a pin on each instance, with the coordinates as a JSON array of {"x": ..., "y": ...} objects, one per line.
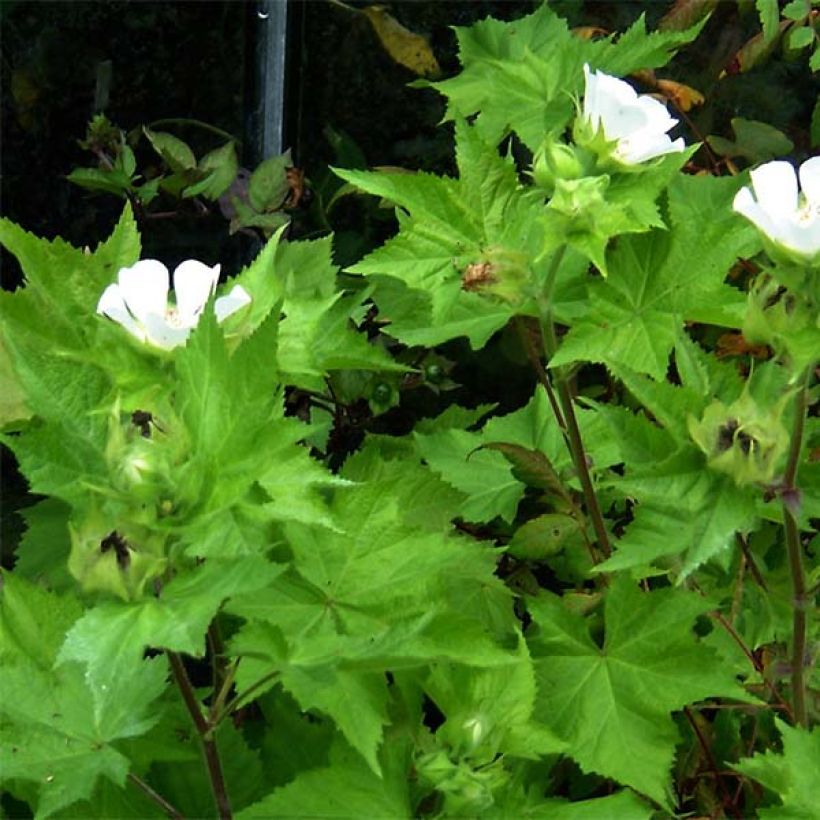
[
  {"x": 522, "y": 75},
  {"x": 13, "y": 409},
  {"x": 96, "y": 179},
  {"x": 541, "y": 537},
  {"x": 756, "y": 141},
  {"x": 684, "y": 508},
  {"x": 613, "y": 703},
  {"x": 490, "y": 711},
  {"x": 792, "y": 776},
  {"x": 318, "y": 336},
  {"x": 658, "y": 280},
  {"x": 485, "y": 477},
  {"x": 110, "y": 638},
  {"x": 797, "y": 9},
  {"x": 42, "y": 554},
  {"x": 347, "y": 788},
  {"x": 176, "y": 153},
  {"x": 799, "y": 37},
  {"x": 268, "y": 184},
  {"x": 220, "y": 167},
  {"x": 623, "y": 805},
  {"x": 185, "y": 783},
  {"x": 64, "y": 450},
  {"x": 483, "y": 218},
  {"x": 52, "y": 732},
  {"x": 769, "y": 18}
]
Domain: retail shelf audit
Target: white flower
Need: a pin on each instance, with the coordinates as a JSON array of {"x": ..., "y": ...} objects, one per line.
[
  {"x": 789, "y": 219},
  {"x": 636, "y": 123},
  {"x": 139, "y": 300}
]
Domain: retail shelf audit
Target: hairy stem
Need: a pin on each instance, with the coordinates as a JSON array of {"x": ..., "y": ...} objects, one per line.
[
  {"x": 790, "y": 496},
  {"x": 203, "y": 728},
  {"x": 157, "y": 798},
  {"x": 573, "y": 433}
]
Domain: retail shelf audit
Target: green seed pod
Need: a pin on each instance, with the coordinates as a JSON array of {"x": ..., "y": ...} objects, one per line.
[
  {"x": 382, "y": 393},
  {"x": 742, "y": 440},
  {"x": 106, "y": 560}
]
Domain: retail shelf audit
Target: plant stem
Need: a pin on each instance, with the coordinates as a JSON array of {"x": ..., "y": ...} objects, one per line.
[
  {"x": 573, "y": 433},
  {"x": 789, "y": 495},
  {"x": 157, "y": 798},
  {"x": 205, "y": 735}
]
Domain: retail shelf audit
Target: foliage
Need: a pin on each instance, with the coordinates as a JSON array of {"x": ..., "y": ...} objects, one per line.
[{"x": 245, "y": 591}]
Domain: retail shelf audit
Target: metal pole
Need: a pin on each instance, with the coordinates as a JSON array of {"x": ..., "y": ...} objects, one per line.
[{"x": 267, "y": 115}]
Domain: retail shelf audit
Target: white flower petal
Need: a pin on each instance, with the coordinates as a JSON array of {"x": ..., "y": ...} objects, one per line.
[
  {"x": 775, "y": 187},
  {"x": 144, "y": 287},
  {"x": 746, "y": 205},
  {"x": 810, "y": 180},
  {"x": 658, "y": 117},
  {"x": 161, "y": 334},
  {"x": 647, "y": 146},
  {"x": 235, "y": 300},
  {"x": 112, "y": 305},
  {"x": 637, "y": 123},
  {"x": 194, "y": 282},
  {"x": 801, "y": 237}
]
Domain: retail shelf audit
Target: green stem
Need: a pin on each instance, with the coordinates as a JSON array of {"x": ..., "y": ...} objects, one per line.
[
  {"x": 795, "y": 551},
  {"x": 206, "y": 737},
  {"x": 573, "y": 433}
]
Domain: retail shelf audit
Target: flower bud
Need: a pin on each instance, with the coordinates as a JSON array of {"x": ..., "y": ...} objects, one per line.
[{"x": 553, "y": 161}]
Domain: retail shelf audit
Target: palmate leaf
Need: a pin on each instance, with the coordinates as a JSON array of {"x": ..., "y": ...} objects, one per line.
[
  {"x": 623, "y": 805},
  {"x": 493, "y": 486},
  {"x": 51, "y": 731},
  {"x": 447, "y": 225},
  {"x": 612, "y": 703},
  {"x": 63, "y": 448},
  {"x": 317, "y": 336},
  {"x": 110, "y": 638},
  {"x": 232, "y": 408},
  {"x": 522, "y": 75},
  {"x": 792, "y": 776},
  {"x": 490, "y": 711},
  {"x": 62, "y": 284},
  {"x": 684, "y": 508},
  {"x": 658, "y": 280},
  {"x": 346, "y": 788},
  {"x": 185, "y": 784},
  {"x": 381, "y": 595}
]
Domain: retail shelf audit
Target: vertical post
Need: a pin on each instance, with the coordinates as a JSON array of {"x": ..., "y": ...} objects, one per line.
[{"x": 266, "y": 117}]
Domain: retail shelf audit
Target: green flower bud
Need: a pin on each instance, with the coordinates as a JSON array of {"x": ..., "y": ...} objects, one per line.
[
  {"x": 742, "y": 440},
  {"x": 581, "y": 199},
  {"x": 553, "y": 161}
]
